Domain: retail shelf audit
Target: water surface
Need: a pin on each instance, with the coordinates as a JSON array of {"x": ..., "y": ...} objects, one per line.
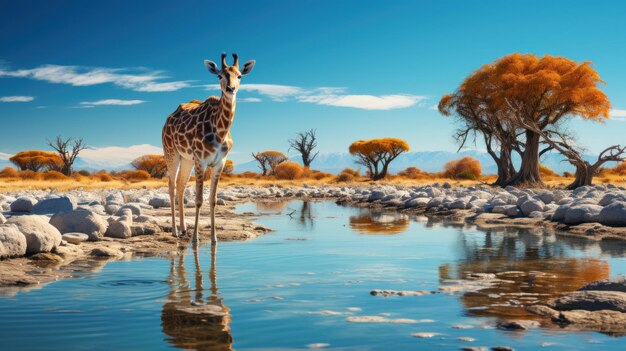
[{"x": 307, "y": 285}]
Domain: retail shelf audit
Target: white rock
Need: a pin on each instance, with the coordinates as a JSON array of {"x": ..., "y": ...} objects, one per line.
[
  {"x": 80, "y": 221},
  {"x": 614, "y": 214},
  {"x": 40, "y": 235},
  {"x": 75, "y": 238},
  {"x": 12, "y": 241},
  {"x": 55, "y": 205}
]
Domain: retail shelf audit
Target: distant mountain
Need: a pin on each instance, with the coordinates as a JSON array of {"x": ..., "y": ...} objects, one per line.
[{"x": 429, "y": 161}]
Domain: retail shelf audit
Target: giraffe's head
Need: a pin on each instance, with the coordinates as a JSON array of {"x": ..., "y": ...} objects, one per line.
[{"x": 229, "y": 76}]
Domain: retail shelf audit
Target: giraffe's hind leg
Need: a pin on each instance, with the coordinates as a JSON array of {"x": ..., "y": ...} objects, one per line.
[
  {"x": 173, "y": 161},
  {"x": 181, "y": 183}
]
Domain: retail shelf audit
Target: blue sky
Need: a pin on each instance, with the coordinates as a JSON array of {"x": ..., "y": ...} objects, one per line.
[{"x": 112, "y": 71}]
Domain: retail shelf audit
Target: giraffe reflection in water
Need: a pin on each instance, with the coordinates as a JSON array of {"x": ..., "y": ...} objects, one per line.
[
  {"x": 189, "y": 319},
  {"x": 500, "y": 272}
]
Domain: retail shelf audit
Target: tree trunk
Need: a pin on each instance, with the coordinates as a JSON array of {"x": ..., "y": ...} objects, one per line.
[
  {"x": 383, "y": 172},
  {"x": 529, "y": 170},
  {"x": 506, "y": 171},
  {"x": 584, "y": 176}
]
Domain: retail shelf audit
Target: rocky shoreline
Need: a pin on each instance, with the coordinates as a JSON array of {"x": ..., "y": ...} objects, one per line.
[{"x": 45, "y": 236}]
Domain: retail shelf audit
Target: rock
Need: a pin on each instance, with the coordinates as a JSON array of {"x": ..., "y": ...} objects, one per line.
[
  {"x": 75, "y": 238},
  {"x": 542, "y": 310},
  {"x": 55, "y": 205},
  {"x": 546, "y": 197},
  {"x": 502, "y": 348},
  {"x": 158, "y": 202},
  {"x": 518, "y": 324},
  {"x": 111, "y": 209},
  {"x": 424, "y": 335},
  {"x": 386, "y": 293},
  {"x": 81, "y": 221},
  {"x": 609, "y": 198},
  {"x": 220, "y": 202},
  {"x": 603, "y": 320},
  {"x": 12, "y": 241},
  {"x": 614, "y": 214},
  {"x": 474, "y": 348},
  {"x": 106, "y": 252},
  {"x": 23, "y": 204},
  {"x": 376, "y": 195},
  {"x": 606, "y": 285},
  {"x": 530, "y": 206},
  {"x": 513, "y": 211},
  {"x": 47, "y": 256},
  {"x": 120, "y": 229},
  {"x": 582, "y": 214},
  {"x": 591, "y": 301},
  {"x": 144, "y": 229},
  {"x": 417, "y": 202},
  {"x": 559, "y": 213},
  {"x": 2, "y": 219},
  {"x": 134, "y": 208},
  {"x": 40, "y": 235}
]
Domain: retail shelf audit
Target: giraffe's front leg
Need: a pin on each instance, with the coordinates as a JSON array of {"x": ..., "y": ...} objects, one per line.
[{"x": 215, "y": 178}]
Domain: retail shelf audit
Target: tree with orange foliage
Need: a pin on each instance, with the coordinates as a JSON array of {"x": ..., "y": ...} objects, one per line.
[
  {"x": 35, "y": 160},
  {"x": 537, "y": 93},
  {"x": 377, "y": 154},
  {"x": 463, "y": 168},
  {"x": 229, "y": 167},
  {"x": 268, "y": 160},
  {"x": 153, "y": 164}
]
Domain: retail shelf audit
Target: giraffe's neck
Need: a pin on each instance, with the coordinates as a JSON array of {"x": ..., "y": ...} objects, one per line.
[{"x": 226, "y": 114}]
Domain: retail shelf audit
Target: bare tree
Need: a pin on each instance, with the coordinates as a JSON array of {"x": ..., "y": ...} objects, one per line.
[
  {"x": 268, "y": 160},
  {"x": 566, "y": 145},
  {"x": 68, "y": 150},
  {"x": 305, "y": 143}
]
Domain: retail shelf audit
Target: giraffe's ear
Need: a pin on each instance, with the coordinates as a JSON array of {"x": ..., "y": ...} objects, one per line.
[
  {"x": 211, "y": 66},
  {"x": 247, "y": 67}
]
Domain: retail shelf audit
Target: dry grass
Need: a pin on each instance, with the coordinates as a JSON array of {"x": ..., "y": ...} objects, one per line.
[{"x": 105, "y": 181}]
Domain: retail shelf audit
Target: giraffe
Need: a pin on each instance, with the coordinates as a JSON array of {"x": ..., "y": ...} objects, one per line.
[{"x": 197, "y": 135}]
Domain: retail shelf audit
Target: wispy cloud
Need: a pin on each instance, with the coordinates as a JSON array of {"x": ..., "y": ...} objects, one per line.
[
  {"x": 250, "y": 99},
  {"x": 16, "y": 98},
  {"x": 110, "y": 102},
  {"x": 5, "y": 156},
  {"x": 618, "y": 115},
  {"x": 116, "y": 156},
  {"x": 86, "y": 76},
  {"x": 331, "y": 96}
]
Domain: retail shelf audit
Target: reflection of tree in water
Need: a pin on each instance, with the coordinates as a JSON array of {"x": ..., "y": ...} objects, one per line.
[
  {"x": 377, "y": 222},
  {"x": 522, "y": 268},
  {"x": 270, "y": 206},
  {"x": 305, "y": 219},
  {"x": 203, "y": 325}
]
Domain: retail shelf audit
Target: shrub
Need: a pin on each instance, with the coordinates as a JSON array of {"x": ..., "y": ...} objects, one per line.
[
  {"x": 29, "y": 175},
  {"x": 54, "y": 175},
  {"x": 9, "y": 172},
  {"x": 288, "y": 170},
  {"x": 412, "y": 173},
  {"x": 345, "y": 177},
  {"x": 463, "y": 168},
  {"x": 320, "y": 175},
  {"x": 567, "y": 174},
  {"x": 352, "y": 172},
  {"x": 135, "y": 176},
  {"x": 545, "y": 171},
  {"x": 104, "y": 177},
  {"x": 84, "y": 172},
  {"x": 620, "y": 169},
  {"x": 249, "y": 174}
]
